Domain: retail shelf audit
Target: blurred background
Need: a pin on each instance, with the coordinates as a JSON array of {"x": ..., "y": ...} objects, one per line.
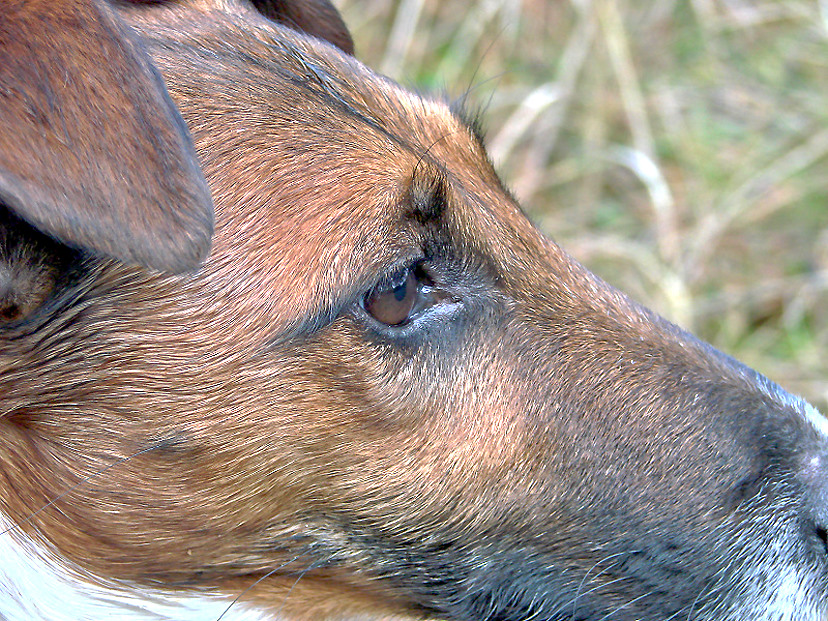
[{"x": 679, "y": 148}]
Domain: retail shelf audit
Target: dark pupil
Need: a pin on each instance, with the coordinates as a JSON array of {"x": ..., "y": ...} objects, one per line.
[{"x": 400, "y": 290}]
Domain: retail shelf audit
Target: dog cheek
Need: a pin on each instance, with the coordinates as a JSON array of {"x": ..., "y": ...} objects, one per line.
[{"x": 415, "y": 418}]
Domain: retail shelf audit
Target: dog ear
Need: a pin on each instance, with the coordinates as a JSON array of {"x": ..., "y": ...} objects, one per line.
[
  {"x": 93, "y": 152},
  {"x": 318, "y": 18}
]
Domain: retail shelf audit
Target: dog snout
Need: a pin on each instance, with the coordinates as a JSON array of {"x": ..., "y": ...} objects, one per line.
[{"x": 694, "y": 471}]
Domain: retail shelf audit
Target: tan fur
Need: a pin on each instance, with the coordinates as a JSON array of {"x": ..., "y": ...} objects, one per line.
[{"x": 214, "y": 426}]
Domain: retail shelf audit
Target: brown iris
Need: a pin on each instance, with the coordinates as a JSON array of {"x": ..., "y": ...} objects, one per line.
[{"x": 394, "y": 299}]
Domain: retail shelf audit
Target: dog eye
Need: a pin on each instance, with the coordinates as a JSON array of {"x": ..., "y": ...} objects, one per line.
[{"x": 395, "y": 300}]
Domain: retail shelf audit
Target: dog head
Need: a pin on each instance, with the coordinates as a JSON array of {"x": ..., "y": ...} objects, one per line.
[{"x": 384, "y": 393}]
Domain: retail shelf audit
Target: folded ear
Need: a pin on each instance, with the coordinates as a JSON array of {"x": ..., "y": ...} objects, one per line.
[
  {"x": 92, "y": 150},
  {"x": 318, "y": 18}
]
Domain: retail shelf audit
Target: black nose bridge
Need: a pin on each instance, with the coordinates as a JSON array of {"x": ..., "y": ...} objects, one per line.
[
  {"x": 797, "y": 431},
  {"x": 794, "y": 438},
  {"x": 791, "y": 434},
  {"x": 811, "y": 462}
]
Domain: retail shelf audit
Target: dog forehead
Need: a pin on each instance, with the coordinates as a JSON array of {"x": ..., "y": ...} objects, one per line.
[
  {"x": 309, "y": 156},
  {"x": 221, "y": 61}
]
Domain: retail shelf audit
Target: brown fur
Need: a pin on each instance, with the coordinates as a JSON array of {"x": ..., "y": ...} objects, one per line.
[{"x": 216, "y": 425}]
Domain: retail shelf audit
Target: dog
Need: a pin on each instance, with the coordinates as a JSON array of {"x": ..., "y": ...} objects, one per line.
[{"x": 276, "y": 343}]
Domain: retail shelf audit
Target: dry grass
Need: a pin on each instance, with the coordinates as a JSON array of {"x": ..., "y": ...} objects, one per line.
[{"x": 679, "y": 148}]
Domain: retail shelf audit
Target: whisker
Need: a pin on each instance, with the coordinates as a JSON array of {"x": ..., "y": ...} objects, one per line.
[
  {"x": 598, "y": 587},
  {"x": 293, "y": 586},
  {"x": 586, "y": 576},
  {"x": 258, "y": 580},
  {"x": 471, "y": 86},
  {"x": 78, "y": 485},
  {"x": 629, "y": 603}
]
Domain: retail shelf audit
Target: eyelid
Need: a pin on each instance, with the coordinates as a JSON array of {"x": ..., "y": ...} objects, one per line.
[{"x": 395, "y": 278}]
